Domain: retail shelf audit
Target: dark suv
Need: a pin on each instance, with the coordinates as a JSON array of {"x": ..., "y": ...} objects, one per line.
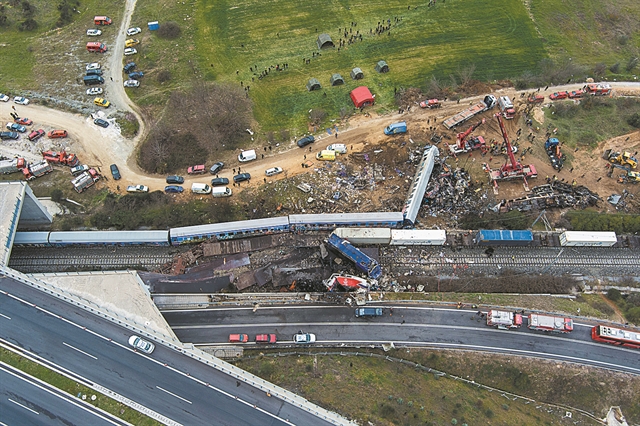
[
  {"x": 306, "y": 141},
  {"x": 175, "y": 179},
  {"x": 115, "y": 172},
  {"x": 241, "y": 177},
  {"x": 215, "y": 169},
  {"x": 219, "y": 181},
  {"x": 129, "y": 67}
]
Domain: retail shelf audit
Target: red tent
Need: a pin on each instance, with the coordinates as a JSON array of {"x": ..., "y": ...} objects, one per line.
[{"x": 362, "y": 97}]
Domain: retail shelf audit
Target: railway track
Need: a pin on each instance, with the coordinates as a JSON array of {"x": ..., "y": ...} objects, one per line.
[{"x": 32, "y": 260}]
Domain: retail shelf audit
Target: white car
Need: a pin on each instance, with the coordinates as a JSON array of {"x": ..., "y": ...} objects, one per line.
[
  {"x": 20, "y": 100},
  {"x": 340, "y": 148},
  {"x": 4, "y": 98},
  {"x": 94, "y": 32},
  {"x": 130, "y": 51},
  {"x": 133, "y": 31},
  {"x": 137, "y": 188},
  {"x": 93, "y": 66},
  {"x": 273, "y": 171},
  {"x": 131, "y": 83},
  {"x": 141, "y": 345},
  {"x": 304, "y": 338},
  {"x": 94, "y": 91}
]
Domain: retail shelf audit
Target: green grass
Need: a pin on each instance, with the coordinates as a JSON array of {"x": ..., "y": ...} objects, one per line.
[{"x": 73, "y": 388}]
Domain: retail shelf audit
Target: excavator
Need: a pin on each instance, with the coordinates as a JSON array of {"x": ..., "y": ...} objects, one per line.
[
  {"x": 622, "y": 158},
  {"x": 512, "y": 169},
  {"x": 463, "y": 144}
]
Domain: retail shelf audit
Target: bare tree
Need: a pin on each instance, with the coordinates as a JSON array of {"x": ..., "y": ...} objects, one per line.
[{"x": 466, "y": 73}]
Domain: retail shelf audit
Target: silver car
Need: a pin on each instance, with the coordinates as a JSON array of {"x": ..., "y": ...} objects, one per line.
[
  {"x": 130, "y": 51},
  {"x": 141, "y": 345},
  {"x": 131, "y": 83},
  {"x": 94, "y": 91}
]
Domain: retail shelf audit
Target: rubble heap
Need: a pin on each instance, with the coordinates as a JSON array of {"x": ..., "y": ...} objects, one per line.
[{"x": 552, "y": 195}]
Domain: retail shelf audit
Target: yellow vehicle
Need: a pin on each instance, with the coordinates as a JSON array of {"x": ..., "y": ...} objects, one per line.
[
  {"x": 102, "y": 102},
  {"x": 131, "y": 42},
  {"x": 326, "y": 155},
  {"x": 622, "y": 158}
]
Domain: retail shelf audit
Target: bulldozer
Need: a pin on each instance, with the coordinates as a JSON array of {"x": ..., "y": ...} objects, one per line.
[{"x": 623, "y": 158}]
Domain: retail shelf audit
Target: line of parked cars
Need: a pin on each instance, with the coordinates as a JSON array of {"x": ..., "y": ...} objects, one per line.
[
  {"x": 298, "y": 338},
  {"x": 20, "y": 124}
]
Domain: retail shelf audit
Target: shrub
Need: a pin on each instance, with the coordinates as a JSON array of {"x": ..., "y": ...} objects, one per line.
[
  {"x": 169, "y": 30},
  {"x": 488, "y": 413},
  {"x": 163, "y": 76},
  {"x": 634, "y": 120},
  {"x": 29, "y": 24},
  {"x": 631, "y": 64},
  {"x": 614, "y": 294},
  {"x": 615, "y": 68},
  {"x": 56, "y": 195},
  {"x": 633, "y": 315}
]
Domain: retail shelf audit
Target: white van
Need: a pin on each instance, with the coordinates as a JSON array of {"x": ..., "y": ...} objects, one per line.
[
  {"x": 247, "y": 156},
  {"x": 200, "y": 188},
  {"x": 340, "y": 148},
  {"x": 221, "y": 191},
  {"x": 273, "y": 171}
]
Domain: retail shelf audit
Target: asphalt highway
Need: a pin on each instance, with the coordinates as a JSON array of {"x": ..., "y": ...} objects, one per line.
[
  {"x": 406, "y": 325},
  {"x": 173, "y": 385}
]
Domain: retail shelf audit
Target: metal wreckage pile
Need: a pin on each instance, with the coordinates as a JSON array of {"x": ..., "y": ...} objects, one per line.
[{"x": 555, "y": 194}]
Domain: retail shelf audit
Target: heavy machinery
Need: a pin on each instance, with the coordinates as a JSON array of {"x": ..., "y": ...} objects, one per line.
[
  {"x": 61, "y": 157},
  {"x": 36, "y": 170},
  {"x": 512, "y": 169},
  {"x": 487, "y": 103},
  {"x": 463, "y": 144},
  {"x": 552, "y": 146},
  {"x": 623, "y": 158}
]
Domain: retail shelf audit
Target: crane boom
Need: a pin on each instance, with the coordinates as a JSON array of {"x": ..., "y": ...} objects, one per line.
[
  {"x": 462, "y": 136},
  {"x": 515, "y": 165}
]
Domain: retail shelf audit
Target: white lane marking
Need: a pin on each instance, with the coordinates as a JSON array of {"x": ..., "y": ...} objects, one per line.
[
  {"x": 173, "y": 394},
  {"x": 4, "y": 316},
  {"x": 76, "y": 349},
  {"x": 24, "y": 406}
]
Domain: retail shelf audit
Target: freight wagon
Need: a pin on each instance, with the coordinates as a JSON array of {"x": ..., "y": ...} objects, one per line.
[
  {"x": 587, "y": 239},
  {"x": 501, "y": 237}
]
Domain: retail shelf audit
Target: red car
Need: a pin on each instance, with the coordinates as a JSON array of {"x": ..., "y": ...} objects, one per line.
[
  {"x": 57, "y": 134},
  {"x": 36, "y": 134},
  {"x": 238, "y": 338},
  {"x": 576, "y": 94},
  {"x": 559, "y": 95},
  {"x": 266, "y": 338},
  {"x": 196, "y": 170},
  {"x": 24, "y": 121},
  {"x": 430, "y": 103}
]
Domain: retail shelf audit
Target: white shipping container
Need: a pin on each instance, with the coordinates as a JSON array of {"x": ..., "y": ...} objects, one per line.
[
  {"x": 587, "y": 239},
  {"x": 418, "y": 237},
  {"x": 364, "y": 235}
]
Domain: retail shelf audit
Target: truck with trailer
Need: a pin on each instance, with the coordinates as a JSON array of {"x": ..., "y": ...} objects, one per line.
[
  {"x": 504, "y": 320},
  {"x": 36, "y": 170},
  {"x": 85, "y": 180},
  {"x": 363, "y": 262},
  {"x": 550, "y": 323},
  {"x": 12, "y": 166},
  {"x": 486, "y": 104},
  {"x": 588, "y": 239},
  {"x": 506, "y": 107}
]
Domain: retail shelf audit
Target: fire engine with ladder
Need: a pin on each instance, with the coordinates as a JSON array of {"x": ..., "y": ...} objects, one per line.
[
  {"x": 512, "y": 169},
  {"x": 463, "y": 144},
  {"x": 506, "y": 320}
]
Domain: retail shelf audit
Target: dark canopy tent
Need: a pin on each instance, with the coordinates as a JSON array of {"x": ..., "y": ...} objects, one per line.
[
  {"x": 382, "y": 66},
  {"x": 324, "y": 41},
  {"x": 357, "y": 74},
  {"x": 336, "y": 80},
  {"x": 313, "y": 84}
]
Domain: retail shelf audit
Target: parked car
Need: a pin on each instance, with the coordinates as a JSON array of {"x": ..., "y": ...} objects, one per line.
[
  {"x": 175, "y": 179},
  {"x": 4, "y": 98},
  {"x": 306, "y": 141},
  {"x": 196, "y": 170},
  {"x": 137, "y": 188},
  {"x": 304, "y": 338},
  {"x": 141, "y": 344},
  {"x": 23, "y": 121},
  {"x": 340, "y": 148},
  {"x": 219, "y": 181},
  {"x": 100, "y": 122},
  {"x": 133, "y": 31},
  {"x": 131, "y": 42},
  {"x": 173, "y": 189},
  {"x": 94, "y": 72},
  {"x": 273, "y": 171},
  {"x": 15, "y": 127},
  {"x": 21, "y": 100},
  {"x": 129, "y": 66},
  {"x": 36, "y": 134},
  {"x": 241, "y": 177},
  {"x": 94, "y": 91},
  {"x": 102, "y": 102},
  {"x": 558, "y": 95},
  {"x": 93, "y": 66},
  {"x": 266, "y": 338},
  {"x": 136, "y": 75},
  {"x": 238, "y": 338},
  {"x": 576, "y": 94},
  {"x": 216, "y": 168},
  {"x": 9, "y": 135},
  {"x": 94, "y": 33},
  {"x": 78, "y": 170},
  {"x": 130, "y": 51},
  {"x": 115, "y": 172},
  {"x": 131, "y": 83},
  {"x": 57, "y": 134}
]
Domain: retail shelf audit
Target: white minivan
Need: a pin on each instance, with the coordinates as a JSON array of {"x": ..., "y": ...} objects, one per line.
[
  {"x": 273, "y": 171},
  {"x": 340, "y": 148},
  {"x": 200, "y": 188},
  {"x": 221, "y": 191},
  {"x": 247, "y": 156}
]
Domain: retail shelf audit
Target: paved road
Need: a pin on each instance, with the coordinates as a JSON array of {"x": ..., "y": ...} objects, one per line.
[
  {"x": 175, "y": 386},
  {"x": 413, "y": 326},
  {"x": 26, "y": 401}
]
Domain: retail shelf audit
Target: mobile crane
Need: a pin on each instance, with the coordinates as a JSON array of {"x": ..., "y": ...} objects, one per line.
[
  {"x": 512, "y": 169},
  {"x": 463, "y": 145}
]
